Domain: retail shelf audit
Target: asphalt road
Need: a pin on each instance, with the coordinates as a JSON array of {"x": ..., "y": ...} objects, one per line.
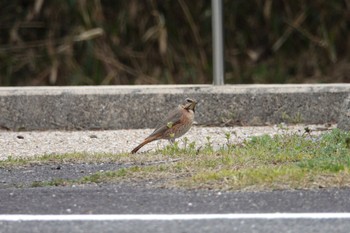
[
  {"x": 138, "y": 199},
  {"x": 197, "y": 226},
  {"x": 141, "y": 199}
]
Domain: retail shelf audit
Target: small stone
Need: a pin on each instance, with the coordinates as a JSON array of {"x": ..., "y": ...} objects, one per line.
[
  {"x": 20, "y": 137},
  {"x": 58, "y": 167}
]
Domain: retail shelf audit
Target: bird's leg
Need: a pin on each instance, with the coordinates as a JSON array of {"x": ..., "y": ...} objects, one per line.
[
  {"x": 172, "y": 138},
  {"x": 173, "y": 144}
]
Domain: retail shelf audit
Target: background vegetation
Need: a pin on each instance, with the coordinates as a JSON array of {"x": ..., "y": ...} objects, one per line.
[{"x": 91, "y": 42}]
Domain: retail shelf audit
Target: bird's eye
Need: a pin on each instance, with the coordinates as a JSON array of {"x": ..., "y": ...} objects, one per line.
[{"x": 189, "y": 100}]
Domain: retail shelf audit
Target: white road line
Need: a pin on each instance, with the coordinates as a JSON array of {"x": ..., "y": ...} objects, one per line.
[{"x": 167, "y": 217}]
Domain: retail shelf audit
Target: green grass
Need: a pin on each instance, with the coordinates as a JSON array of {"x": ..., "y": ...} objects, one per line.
[
  {"x": 284, "y": 161},
  {"x": 66, "y": 158}
]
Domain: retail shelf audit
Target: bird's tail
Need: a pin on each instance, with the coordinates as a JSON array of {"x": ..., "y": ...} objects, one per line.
[{"x": 147, "y": 140}]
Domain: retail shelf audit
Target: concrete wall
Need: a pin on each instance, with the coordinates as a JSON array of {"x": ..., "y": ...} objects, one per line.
[{"x": 124, "y": 107}]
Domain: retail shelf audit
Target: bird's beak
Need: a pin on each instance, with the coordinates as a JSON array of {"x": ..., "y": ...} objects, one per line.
[{"x": 191, "y": 104}]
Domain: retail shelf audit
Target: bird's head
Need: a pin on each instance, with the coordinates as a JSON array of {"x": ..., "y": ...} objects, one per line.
[{"x": 190, "y": 104}]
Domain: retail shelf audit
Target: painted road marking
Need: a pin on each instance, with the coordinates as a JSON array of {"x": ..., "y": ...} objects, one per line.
[{"x": 167, "y": 217}]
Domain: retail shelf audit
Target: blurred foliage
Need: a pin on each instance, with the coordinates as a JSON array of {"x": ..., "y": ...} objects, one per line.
[{"x": 92, "y": 42}]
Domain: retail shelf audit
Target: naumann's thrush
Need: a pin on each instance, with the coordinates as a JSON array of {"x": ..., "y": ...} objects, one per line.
[{"x": 176, "y": 124}]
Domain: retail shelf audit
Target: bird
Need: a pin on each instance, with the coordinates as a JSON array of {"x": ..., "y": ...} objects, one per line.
[{"x": 176, "y": 124}]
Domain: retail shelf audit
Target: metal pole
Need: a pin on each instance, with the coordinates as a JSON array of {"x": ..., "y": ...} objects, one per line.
[{"x": 218, "y": 45}]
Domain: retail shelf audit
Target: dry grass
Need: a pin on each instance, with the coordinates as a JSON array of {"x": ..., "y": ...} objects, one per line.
[{"x": 161, "y": 42}]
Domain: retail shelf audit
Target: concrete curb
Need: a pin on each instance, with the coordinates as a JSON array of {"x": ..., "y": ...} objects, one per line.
[
  {"x": 344, "y": 118},
  {"x": 126, "y": 107}
]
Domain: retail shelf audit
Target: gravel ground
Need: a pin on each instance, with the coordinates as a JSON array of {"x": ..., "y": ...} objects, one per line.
[{"x": 24, "y": 144}]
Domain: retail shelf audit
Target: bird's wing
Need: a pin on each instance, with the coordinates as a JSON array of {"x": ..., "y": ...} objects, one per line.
[{"x": 173, "y": 118}]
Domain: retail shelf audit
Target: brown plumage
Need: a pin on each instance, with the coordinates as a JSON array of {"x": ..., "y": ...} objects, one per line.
[{"x": 176, "y": 124}]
